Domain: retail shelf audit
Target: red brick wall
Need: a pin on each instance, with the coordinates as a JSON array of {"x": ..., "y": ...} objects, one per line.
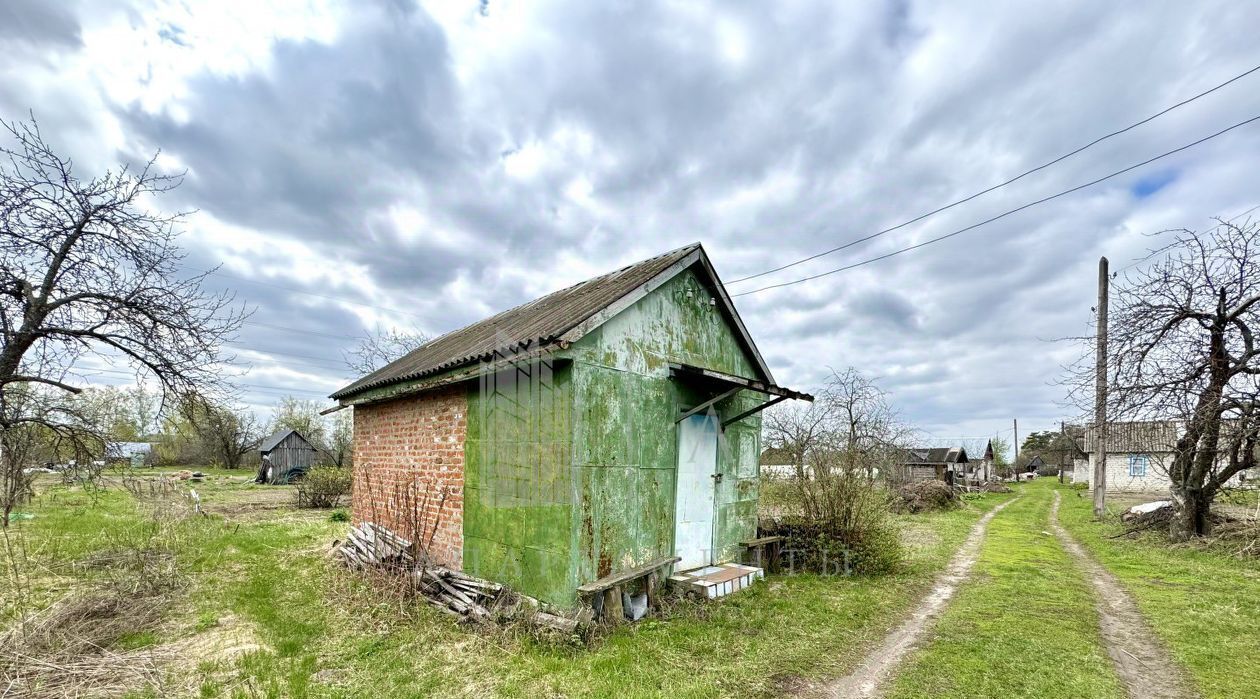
[{"x": 405, "y": 449}]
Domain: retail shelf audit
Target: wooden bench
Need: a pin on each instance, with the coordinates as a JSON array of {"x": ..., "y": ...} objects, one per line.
[
  {"x": 610, "y": 586},
  {"x": 764, "y": 551}
]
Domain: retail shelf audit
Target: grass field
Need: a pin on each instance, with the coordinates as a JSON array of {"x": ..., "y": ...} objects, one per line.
[
  {"x": 1201, "y": 600},
  {"x": 243, "y": 602},
  {"x": 253, "y": 608},
  {"x": 1023, "y": 626}
]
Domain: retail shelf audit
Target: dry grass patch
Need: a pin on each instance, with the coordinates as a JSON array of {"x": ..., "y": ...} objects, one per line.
[{"x": 79, "y": 647}]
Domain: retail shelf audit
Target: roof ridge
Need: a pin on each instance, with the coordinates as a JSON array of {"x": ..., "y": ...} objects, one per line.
[
  {"x": 584, "y": 306},
  {"x": 553, "y": 293}
]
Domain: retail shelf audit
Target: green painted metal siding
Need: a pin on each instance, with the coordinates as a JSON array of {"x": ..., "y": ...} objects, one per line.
[
  {"x": 625, "y": 437},
  {"x": 569, "y": 472},
  {"x": 519, "y": 520}
]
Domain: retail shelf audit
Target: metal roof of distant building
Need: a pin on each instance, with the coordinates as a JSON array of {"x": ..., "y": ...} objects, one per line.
[
  {"x": 1149, "y": 436},
  {"x": 936, "y": 455},
  {"x": 540, "y": 322},
  {"x": 274, "y": 440}
]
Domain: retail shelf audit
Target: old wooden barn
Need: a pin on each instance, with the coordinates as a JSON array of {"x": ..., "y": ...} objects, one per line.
[
  {"x": 286, "y": 455},
  {"x": 601, "y": 432}
]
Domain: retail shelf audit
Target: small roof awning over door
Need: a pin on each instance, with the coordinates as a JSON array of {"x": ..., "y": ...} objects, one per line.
[{"x": 727, "y": 385}]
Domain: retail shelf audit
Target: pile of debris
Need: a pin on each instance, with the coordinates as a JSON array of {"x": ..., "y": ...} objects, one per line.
[
  {"x": 453, "y": 592},
  {"x": 924, "y": 496},
  {"x": 370, "y": 546},
  {"x": 457, "y": 592},
  {"x": 1148, "y": 515}
]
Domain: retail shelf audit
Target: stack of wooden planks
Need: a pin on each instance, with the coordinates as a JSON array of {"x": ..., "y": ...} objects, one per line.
[
  {"x": 454, "y": 592},
  {"x": 371, "y": 546},
  {"x": 457, "y": 592}
]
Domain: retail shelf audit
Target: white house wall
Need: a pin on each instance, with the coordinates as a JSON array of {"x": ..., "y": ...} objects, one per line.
[{"x": 1119, "y": 480}]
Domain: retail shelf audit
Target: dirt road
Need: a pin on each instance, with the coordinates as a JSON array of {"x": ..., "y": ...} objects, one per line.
[
  {"x": 1140, "y": 659},
  {"x": 870, "y": 676}
]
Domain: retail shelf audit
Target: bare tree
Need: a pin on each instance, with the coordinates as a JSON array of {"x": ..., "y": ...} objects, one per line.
[
  {"x": 1183, "y": 347},
  {"x": 849, "y": 429},
  {"x": 301, "y": 415},
  {"x": 872, "y": 431},
  {"x": 376, "y": 350},
  {"x": 226, "y": 435},
  {"x": 88, "y": 271},
  {"x": 341, "y": 438}
]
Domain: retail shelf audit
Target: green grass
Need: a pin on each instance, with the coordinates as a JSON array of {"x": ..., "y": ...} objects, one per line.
[
  {"x": 1203, "y": 602},
  {"x": 257, "y": 579},
  {"x": 1024, "y": 625}
]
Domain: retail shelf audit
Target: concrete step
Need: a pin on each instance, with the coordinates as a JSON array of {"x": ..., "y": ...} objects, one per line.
[{"x": 716, "y": 581}]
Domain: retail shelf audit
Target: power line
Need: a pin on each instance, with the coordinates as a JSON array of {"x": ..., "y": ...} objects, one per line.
[
  {"x": 243, "y": 346},
  {"x": 1004, "y": 214},
  {"x": 1135, "y": 263},
  {"x": 300, "y": 330},
  {"x": 982, "y": 192},
  {"x": 99, "y": 373}
]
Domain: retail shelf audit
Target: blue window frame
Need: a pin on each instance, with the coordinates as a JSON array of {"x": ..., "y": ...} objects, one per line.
[{"x": 1137, "y": 465}]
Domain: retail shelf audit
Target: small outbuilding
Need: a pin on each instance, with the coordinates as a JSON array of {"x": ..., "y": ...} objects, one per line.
[
  {"x": 947, "y": 464},
  {"x": 286, "y": 455},
  {"x": 605, "y": 433},
  {"x": 134, "y": 453}
]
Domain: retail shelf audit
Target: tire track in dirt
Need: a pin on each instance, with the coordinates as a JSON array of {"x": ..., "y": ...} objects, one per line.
[
  {"x": 1141, "y": 661},
  {"x": 869, "y": 677}
]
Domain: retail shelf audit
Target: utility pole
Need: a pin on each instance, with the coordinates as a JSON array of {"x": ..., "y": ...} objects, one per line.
[
  {"x": 1015, "y": 425},
  {"x": 1062, "y": 448},
  {"x": 1100, "y": 396}
]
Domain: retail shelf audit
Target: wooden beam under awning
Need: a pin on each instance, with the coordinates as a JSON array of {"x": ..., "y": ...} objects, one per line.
[
  {"x": 688, "y": 371},
  {"x": 733, "y": 384}
]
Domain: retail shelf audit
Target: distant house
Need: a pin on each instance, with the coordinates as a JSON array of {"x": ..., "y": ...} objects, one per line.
[
  {"x": 286, "y": 455},
  {"x": 135, "y": 453},
  {"x": 1138, "y": 456},
  {"x": 947, "y": 464},
  {"x": 1035, "y": 464}
]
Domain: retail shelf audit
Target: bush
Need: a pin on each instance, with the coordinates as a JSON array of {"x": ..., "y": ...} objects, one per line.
[
  {"x": 837, "y": 510},
  {"x": 339, "y": 516},
  {"x": 924, "y": 496},
  {"x": 822, "y": 547},
  {"x": 323, "y": 487}
]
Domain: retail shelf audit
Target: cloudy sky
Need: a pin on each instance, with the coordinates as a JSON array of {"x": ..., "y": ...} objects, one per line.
[{"x": 357, "y": 166}]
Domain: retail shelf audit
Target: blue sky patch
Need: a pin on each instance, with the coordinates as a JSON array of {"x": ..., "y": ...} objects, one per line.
[{"x": 1152, "y": 183}]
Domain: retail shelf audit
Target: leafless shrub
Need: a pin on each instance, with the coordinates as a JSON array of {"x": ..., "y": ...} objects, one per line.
[
  {"x": 841, "y": 447},
  {"x": 323, "y": 487}
]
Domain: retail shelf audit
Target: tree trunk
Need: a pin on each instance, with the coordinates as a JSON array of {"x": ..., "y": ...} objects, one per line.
[{"x": 1192, "y": 518}]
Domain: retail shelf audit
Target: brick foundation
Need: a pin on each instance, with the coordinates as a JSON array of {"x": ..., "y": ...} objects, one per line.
[{"x": 404, "y": 450}]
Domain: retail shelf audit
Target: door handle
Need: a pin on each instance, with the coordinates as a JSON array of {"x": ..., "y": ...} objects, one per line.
[{"x": 717, "y": 478}]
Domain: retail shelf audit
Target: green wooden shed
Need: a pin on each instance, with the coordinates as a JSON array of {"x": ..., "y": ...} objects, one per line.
[{"x": 599, "y": 429}]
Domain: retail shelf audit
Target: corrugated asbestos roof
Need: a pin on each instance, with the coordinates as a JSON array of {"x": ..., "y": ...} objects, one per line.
[
  {"x": 936, "y": 455},
  {"x": 1136, "y": 437},
  {"x": 537, "y": 323}
]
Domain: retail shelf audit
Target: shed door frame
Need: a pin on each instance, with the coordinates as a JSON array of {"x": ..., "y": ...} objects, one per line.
[{"x": 695, "y": 495}]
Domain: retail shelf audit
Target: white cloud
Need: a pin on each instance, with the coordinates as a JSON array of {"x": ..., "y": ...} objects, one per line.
[{"x": 428, "y": 166}]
